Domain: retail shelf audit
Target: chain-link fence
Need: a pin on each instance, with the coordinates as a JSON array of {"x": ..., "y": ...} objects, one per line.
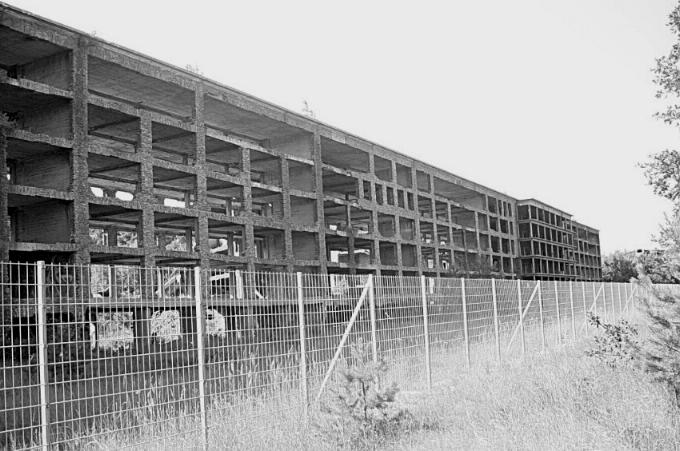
[{"x": 99, "y": 355}]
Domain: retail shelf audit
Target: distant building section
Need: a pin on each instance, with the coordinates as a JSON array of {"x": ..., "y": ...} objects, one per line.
[
  {"x": 587, "y": 252},
  {"x": 109, "y": 156},
  {"x": 553, "y": 246}
]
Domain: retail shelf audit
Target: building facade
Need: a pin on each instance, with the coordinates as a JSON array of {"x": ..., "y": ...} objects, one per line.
[
  {"x": 110, "y": 156},
  {"x": 553, "y": 246}
]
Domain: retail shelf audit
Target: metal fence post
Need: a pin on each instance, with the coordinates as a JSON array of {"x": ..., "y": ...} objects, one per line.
[
  {"x": 465, "y": 323},
  {"x": 573, "y": 314},
  {"x": 604, "y": 301},
  {"x": 374, "y": 326},
  {"x": 495, "y": 319},
  {"x": 304, "y": 389},
  {"x": 540, "y": 311},
  {"x": 559, "y": 317},
  {"x": 585, "y": 307},
  {"x": 200, "y": 335},
  {"x": 42, "y": 355},
  {"x": 428, "y": 368},
  {"x": 521, "y": 315}
]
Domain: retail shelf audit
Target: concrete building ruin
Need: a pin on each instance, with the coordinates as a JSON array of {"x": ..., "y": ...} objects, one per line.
[{"x": 109, "y": 156}]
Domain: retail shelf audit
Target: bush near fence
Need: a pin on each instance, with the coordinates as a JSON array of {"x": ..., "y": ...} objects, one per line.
[{"x": 96, "y": 351}]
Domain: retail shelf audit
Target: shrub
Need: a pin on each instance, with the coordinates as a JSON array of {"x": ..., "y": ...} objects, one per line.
[
  {"x": 617, "y": 343},
  {"x": 660, "y": 352},
  {"x": 358, "y": 412}
]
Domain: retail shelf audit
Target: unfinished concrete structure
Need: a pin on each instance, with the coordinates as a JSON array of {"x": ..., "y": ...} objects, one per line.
[
  {"x": 114, "y": 157},
  {"x": 554, "y": 247}
]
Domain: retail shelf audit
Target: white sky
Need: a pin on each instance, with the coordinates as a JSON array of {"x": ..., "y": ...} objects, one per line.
[{"x": 544, "y": 99}]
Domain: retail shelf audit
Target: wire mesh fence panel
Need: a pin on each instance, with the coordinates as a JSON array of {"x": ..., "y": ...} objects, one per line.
[
  {"x": 446, "y": 326},
  {"x": 170, "y": 356},
  {"x": 532, "y": 323},
  {"x": 400, "y": 328},
  {"x": 565, "y": 304},
  {"x": 550, "y": 313},
  {"x": 252, "y": 351},
  {"x": 581, "y": 305},
  {"x": 507, "y": 302},
  {"x": 610, "y": 300},
  {"x": 620, "y": 294},
  {"x": 630, "y": 296},
  {"x": 599, "y": 299},
  {"x": 20, "y": 390},
  {"x": 122, "y": 355},
  {"x": 480, "y": 319},
  {"x": 335, "y": 300}
]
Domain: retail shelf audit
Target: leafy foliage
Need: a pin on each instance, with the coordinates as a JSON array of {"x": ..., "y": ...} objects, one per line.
[
  {"x": 660, "y": 267},
  {"x": 358, "y": 411},
  {"x": 663, "y": 174},
  {"x": 663, "y": 169},
  {"x": 618, "y": 266},
  {"x": 661, "y": 351},
  {"x": 617, "y": 343}
]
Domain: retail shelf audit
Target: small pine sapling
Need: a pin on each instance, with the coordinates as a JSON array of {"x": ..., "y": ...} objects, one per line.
[{"x": 357, "y": 409}]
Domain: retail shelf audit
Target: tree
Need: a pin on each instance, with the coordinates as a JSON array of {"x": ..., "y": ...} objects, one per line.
[
  {"x": 659, "y": 351},
  {"x": 618, "y": 266},
  {"x": 662, "y": 170},
  {"x": 659, "y": 267}
]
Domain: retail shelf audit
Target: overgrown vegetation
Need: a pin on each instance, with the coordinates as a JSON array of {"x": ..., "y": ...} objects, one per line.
[
  {"x": 660, "y": 352},
  {"x": 358, "y": 412},
  {"x": 616, "y": 343}
]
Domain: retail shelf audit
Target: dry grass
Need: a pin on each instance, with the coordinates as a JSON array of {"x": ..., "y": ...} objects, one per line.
[
  {"x": 556, "y": 400},
  {"x": 559, "y": 399}
]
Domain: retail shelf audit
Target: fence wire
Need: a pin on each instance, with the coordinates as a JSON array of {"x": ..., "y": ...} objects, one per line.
[{"x": 145, "y": 356}]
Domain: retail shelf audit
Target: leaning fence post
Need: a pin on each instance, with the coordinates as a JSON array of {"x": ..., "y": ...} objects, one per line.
[
  {"x": 521, "y": 315},
  {"x": 585, "y": 308},
  {"x": 42, "y": 355},
  {"x": 304, "y": 389},
  {"x": 495, "y": 319},
  {"x": 371, "y": 308},
  {"x": 540, "y": 312},
  {"x": 428, "y": 368},
  {"x": 559, "y": 317},
  {"x": 573, "y": 319},
  {"x": 604, "y": 301},
  {"x": 465, "y": 323},
  {"x": 200, "y": 354}
]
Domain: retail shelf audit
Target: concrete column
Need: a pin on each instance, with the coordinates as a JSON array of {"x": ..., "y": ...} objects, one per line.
[
  {"x": 202, "y": 232},
  {"x": 318, "y": 178},
  {"x": 350, "y": 239},
  {"x": 287, "y": 232},
  {"x": 416, "y": 225},
  {"x": 435, "y": 234},
  {"x": 147, "y": 237},
  {"x": 141, "y": 330},
  {"x": 249, "y": 230},
  {"x": 4, "y": 183},
  {"x": 397, "y": 234},
  {"x": 79, "y": 168}
]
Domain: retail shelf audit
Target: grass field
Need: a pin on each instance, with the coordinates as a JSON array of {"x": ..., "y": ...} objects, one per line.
[{"x": 557, "y": 400}]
